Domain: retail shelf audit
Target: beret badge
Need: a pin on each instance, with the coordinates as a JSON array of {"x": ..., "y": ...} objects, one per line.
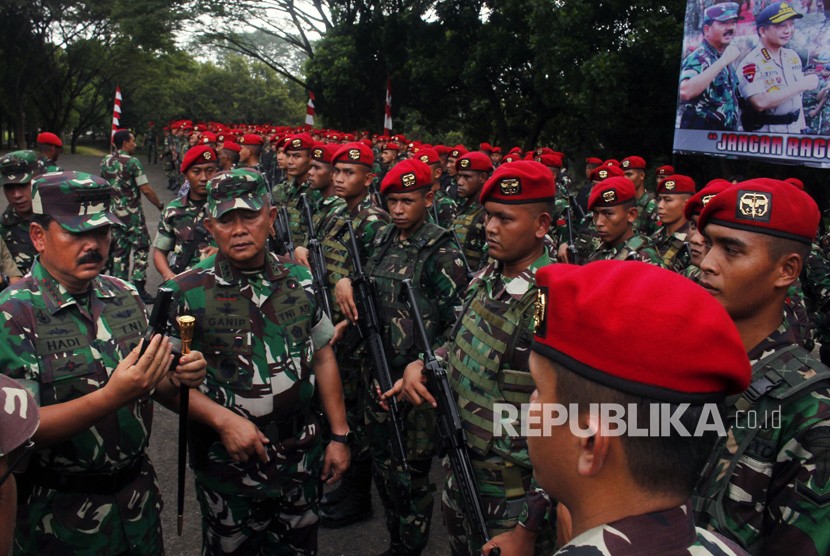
[
  {"x": 207, "y": 155},
  {"x": 669, "y": 185},
  {"x": 408, "y": 179},
  {"x": 603, "y": 174},
  {"x": 354, "y": 154},
  {"x": 465, "y": 163},
  {"x": 705, "y": 199},
  {"x": 318, "y": 153},
  {"x": 626, "y": 163},
  {"x": 510, "y": 186},
  {"x": 754, "y": 205},
  {"x": 424, "y": 158},
  {"x": 609, "y": 196},
  {"x": 296, "y": 143}
]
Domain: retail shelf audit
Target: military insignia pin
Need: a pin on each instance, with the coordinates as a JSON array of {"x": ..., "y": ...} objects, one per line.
[
  {"x": 465, "y": 163},
  {"x": 354, "y": 154},
  {"x": 296, "y": 143},
  {"x": 603, "y": 174},
  {"x": 609, "y": 196},
  {"x": 669, "y": 185},
  {"x": 540, "y": 312},
  {"x": 754, "y": 205},
  {"x": 510, "y": 186}
]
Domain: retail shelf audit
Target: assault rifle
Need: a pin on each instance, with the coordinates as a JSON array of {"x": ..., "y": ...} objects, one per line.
[
  {"x": 573, "y": 256},
  {"x": 370, "y": 326},
  {"x": 200, "y": 234},
  {"x": 283, "y": 230},
  {"x": 449, "y": 425},
  {"x": 319, "y": 276}
]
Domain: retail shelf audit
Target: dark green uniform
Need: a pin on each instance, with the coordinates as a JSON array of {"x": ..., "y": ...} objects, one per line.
[
  {"x": 14, "y": 230},
  {"x": 646, "y": 222},
  {"x": 180, "y": 225},
  {"x": 469, "y": 225},
  {"x": 636, "y": 248}
]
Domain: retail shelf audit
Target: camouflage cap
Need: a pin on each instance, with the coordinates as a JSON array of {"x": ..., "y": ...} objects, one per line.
[
  {"x": 19, "y": 415},
  {"x": 18, "y": 167},
  {"x": 725, "y": 11},
  {"x": 241, "y": 188},
  {"x": 77, "y": 201}
]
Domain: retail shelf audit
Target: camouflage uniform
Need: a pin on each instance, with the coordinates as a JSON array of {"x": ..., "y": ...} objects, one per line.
[
  {"x": 586, "y": 239},
  {"x": 469, "y": 225},
  {"x": 716, "y": 108},
  {"x": 170, "y": 161},
  {"x": 258, "y": 333},
  {"x": 488, "y": 364},
  {"x": 664, "y": 532},
  {"x": 125, "y": 174},
  {"x": 45, "y": 165},
  {"x": 8, "y": 269},
  {"x": 691, "y": 272},
  {"x": 646, "y": 222},
  {"x": 287, "y": 194},
  {"x": 62, "y": 347},
  {"x": 673, "y": 248},
  {"x": 444, "y": 207},
  {"x": 178, "y": 227},
  {"x": 14, "y": 230},
  {"x": 429, "y": 257},
  {"x": 767, "y": 484},
  {"x": 636, "y": 248}
]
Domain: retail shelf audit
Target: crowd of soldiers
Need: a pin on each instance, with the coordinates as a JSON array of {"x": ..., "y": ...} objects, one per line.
[{"x": 318, "y": 266}]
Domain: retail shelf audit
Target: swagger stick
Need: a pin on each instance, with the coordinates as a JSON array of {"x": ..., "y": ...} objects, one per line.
[{"x": 186, "y": 324}]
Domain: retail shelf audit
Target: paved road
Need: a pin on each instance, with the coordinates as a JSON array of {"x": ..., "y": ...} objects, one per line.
[{"x": 369, "y": 537}]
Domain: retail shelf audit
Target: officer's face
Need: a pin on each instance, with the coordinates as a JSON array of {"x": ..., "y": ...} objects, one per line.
[
  {"x": 19, "y": 197},
  {"x": 739, "y": 271},
  {"x": 319, "y": 175},
  {"x": 198, "y": 176},
  {"x": 636, "y": 176},
  {"x": 720, "y": 33},
  {"x": 697, "y": 243},
  {"x": 777, "y": 34},
  {"x": 297, "y": 162},
  {"x": 408, "y": 210},
  {"x": 514, "y": 232},
  {"x": 614, "y": 223},
  {"x": 670, "y": 208},
  {"x": 73, "y": 259},
  {"x": 388, "y": 156},
  {"x": 351, "y": 180},
  {"x": 241, "y": 234},
  {"x": 451, "y": 165},
  {"x": 470, "y": 183}
]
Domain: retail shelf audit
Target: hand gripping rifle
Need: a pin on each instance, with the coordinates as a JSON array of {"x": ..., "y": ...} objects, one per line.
[
  {"x": 369, "y": 324},
  {"x": 319, "y": 276},
  {"x": 449, "y": 425}
]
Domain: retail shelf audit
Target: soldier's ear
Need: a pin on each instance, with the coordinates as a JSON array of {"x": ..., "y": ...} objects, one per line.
[{"x": 38, "y": 236}]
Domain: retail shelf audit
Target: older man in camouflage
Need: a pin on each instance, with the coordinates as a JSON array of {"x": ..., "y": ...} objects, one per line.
[
  {"x": 767, "y": 484},
  {"x": 257, "y": 449},
  {"x": 70, "y": 335},
  {"x": 17, "y": 170}
]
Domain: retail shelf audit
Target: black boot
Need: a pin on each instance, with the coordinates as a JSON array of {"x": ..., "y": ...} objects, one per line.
[
  {"x": 356, "y": 504},
  {"x": 142, "y": 293}
]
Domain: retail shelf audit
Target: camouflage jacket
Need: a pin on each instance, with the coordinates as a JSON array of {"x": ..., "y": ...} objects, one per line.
[
  {"x": 287, "y": 194},
  {"x": 45, "y": 165},
  {"x": 717, "y": 105},
  {"x": 636, "y": 248},
  {"x": 469, "y": 225},
  {"x": 444, "y": 207},
  {"x": 815, "y": 282},
  {"x": 323, "y": 210},
  {"x": 767, "y": 484},
  {"x": 258, "y": 333},
  {"x": 691, "y": 272},
  {"x": 672, "y": 248},
  {"x": 126, "y": 175},
  {"x": 178, "y": 227},
  {"x": 14, "y": 230},
  {"x": 646, "y": 222},
  {"x": 670, "y": 532}
]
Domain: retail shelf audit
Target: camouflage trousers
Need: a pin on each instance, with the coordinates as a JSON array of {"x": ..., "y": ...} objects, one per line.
[
  {"x": 131, "y": 239},
  {"x": 407, "y": 497},
  {"x": 127, "y": 522},
  {"x": 502, "y": 490}
]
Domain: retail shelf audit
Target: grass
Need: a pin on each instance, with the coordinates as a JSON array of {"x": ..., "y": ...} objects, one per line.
[{"x": 89, "y": 151}]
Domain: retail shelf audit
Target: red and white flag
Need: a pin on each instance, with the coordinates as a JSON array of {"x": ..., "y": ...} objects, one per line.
[
  {"x": 387, "y": 117},
  {"x": 116, "y": 113},
  {"x": 309, "y": 111}
]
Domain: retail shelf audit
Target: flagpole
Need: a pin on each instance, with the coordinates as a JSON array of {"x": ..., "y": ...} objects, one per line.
[
  {"x": 387, "y": 116},
  {"x": 309, "y": 111},
  {"x": 116, "y": 115}
]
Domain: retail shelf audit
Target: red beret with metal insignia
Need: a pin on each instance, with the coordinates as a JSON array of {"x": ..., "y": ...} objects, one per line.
[
  {"x": 458, "y": 150},
  {"x": 475, "y": 161},
  {"x": 520, "y": 182},
  {"x": 427, "y": 155},
  {"x": 611, "y": 192},
  {"x": 676, "y": 184},
  {"x": 251, "y": 139},
  {"x": 324, "y": 152},
  {"x": 231, "y": 146},
  {"x": 354, "y": 153},
  {"x": 633, "y": 163},
  {"x": 299, "y": 142},
  {"x": 604, "y": 172},
  {"x": 665, "y": 171},
  {"x": 700, "y": 199},
  {"x": 551, "y": 160},
  {"x": 406, "y": 176},
  {"x": 200, "y": 154}
]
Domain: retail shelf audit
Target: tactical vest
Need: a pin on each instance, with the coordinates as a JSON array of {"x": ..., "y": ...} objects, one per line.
[
  {"x": 462, "y": 223},
  {"x": 227, "y": 335},
  {"x": 388, "y": 267},
  {"x": 779, "y": 386},
  {"x": 494, "y": 377},
  {"x": 337, "y": 257}
]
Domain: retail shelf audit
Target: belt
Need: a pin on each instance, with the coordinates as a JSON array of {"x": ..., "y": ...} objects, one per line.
[{"x": 86, "y": 483}]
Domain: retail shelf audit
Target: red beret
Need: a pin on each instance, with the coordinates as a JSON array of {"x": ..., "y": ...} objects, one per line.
[
  {"x": 458, "y": 150},
  {"x": 515, "y": 150},
  {"x": 400, "y": 138},
  {"x": 665, "y": 170},
  {"x": 676, "y": 184},
  {"x": 544, "y": 150},
  {"x": 604, "y": 172},
  {"x": 511, "y": 157},
  {"x": 427, "y": 155},
  {"x": 366, "y": 142},
  {"x": 251, "y": 139},
  {"x": 406, "y": 176},
  {"x": 348, "y": 137},
  {"x": 700, "y": 199},
  {"x": 611, "y": 192},
  {"x": 334, "y": 137},
  {"x": 486, "y": 147},
  {"x": 593, "y": 160},
  {"x": 792, "y": 181},
  {"x": 764, "y": 206},
  {"x": 475, "y": 161},
  {"x": 49, "y": 138},
  {"x": 633, "y": 163},
  {"x": 324, "y": 152},
  {"x": 442, "y": 149},
  {"x": 611, "y": 162},
  {"x": 391, "y": 146},
  {"x": 354, "y": 153},
  {"x": 200, "y": 154},
  {"x": 523, "y": 181},
  {"x": 551, "y": 160},
  {"x": 207, "y": 137},
  {"x": 231, "y": 146},
  {"x": 496, "y": 149},
  {"x": 609, "y": 304},
  {"x": 299, "y": 142}
]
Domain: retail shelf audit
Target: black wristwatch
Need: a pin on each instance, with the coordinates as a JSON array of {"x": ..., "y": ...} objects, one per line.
[{"x": 346, "y": 439}]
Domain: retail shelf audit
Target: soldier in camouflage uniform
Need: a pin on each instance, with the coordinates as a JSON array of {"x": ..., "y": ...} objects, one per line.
[
  {"x": 691, "y": 211},
  {"x": 472, "y": 171},
  {"x": 287, "y": 194},
  {"x": 181, "y": 226},
  {"x": 614, "y": 210},
  {"x": 766, "y": 484},
  {"x": 126, "y": 176},
  {"x": 444, "y": 209},
  {"x": 708, "y": 83},
  {"x": 634, "y": 169},
  {"x": 487, "y": 360},
  {"x": 416, "y": 249},
  {"x": 671, "y": 239},
  {"x": 17, "y": 169},
  {"x": 70, "y": 335},
  {"x": 49, "y": 148},
  {"x": 257, "y": 451},
  {"x": 170, "y": 160},
  {"x": 646, "y": 476}
]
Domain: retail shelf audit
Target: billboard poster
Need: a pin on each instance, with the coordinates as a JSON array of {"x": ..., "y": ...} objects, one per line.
[{"x": 755, "y": 81}]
